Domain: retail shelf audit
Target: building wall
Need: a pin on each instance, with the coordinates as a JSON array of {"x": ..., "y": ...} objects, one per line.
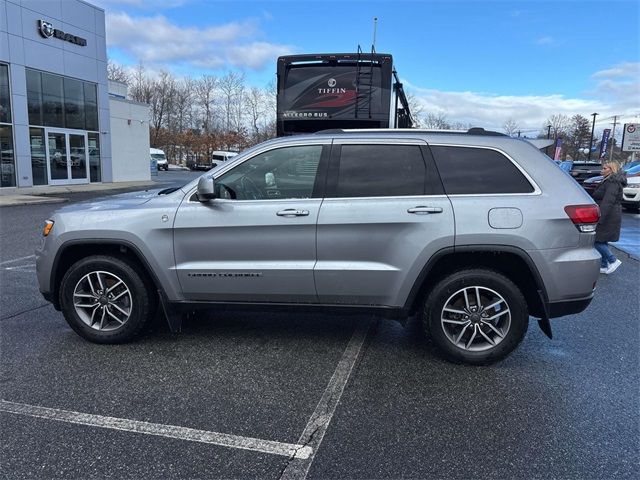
[
  {"x": 130, "y": 133},
  {"x": 22, "y": 46}
]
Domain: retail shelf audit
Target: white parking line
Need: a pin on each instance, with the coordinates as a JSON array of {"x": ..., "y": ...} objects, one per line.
[
  {"x": 26, "y": 268},
  {"x": 17, "y": 260},
  {"x": 318, "y": 424},
  {"x": 169, "y": 431}
]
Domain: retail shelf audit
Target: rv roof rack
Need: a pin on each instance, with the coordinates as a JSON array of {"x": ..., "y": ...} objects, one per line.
[{"x": 471, "y": 131}]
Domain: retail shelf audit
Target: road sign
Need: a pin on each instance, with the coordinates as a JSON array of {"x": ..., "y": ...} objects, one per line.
[{"x": 631, "y": 137}]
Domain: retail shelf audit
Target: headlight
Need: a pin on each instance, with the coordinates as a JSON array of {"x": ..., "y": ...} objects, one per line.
[
  {"x": 48, "y": 225},
  {"x": 635, "y": 185}
]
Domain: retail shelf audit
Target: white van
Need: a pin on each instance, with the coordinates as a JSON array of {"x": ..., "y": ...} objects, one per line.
[
  {"x": 217, "y": 157},
  {"x": 161, "y": 159}
]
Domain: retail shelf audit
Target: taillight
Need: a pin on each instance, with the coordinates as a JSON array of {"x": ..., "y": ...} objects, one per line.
[{"x": 584, "y": 217}]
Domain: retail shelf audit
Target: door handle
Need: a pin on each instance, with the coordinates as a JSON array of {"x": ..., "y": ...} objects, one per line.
[
  {"x": 421, "y": 209},
  {"x": 292, "y": 212}
]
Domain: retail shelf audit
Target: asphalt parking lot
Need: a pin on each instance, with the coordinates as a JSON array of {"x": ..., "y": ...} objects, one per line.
[{"x": 289, "y": 395}]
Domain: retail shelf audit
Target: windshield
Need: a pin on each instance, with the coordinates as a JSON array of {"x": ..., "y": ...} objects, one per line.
[{"x": 158, "y": 156}]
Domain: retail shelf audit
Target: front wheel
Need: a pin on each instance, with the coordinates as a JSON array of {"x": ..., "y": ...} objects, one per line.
[
  {"x": 105, "y": 300},
  {"x": 475, "y": 316}
]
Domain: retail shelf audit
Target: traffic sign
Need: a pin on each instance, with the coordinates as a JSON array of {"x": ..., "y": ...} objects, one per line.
[{"x": 631, "y": 137}]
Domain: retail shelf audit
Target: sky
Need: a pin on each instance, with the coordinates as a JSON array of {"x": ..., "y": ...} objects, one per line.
[{"x": 477, "y": 62}]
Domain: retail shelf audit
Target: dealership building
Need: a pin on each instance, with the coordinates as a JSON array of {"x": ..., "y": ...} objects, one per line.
[{"x": 58, "y": 121}]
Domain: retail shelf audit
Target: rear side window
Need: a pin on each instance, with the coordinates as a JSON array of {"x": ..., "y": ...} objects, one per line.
[
  {"x": 478, "y": 170},
  {"x": 380, "y": 171}
]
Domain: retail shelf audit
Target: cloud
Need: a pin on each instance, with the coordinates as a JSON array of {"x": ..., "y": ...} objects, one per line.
[
  {"x": 628, "y": 70},
  {"x": 617, "y": 92},
  {"x": 619, "y": 86},
  {"x": 491, "y": 111},
  {"x": 157, "y": 41}
]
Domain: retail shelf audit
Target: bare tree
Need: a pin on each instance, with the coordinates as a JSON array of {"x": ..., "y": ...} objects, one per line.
[
  {"x": 559, "y": 126},
  {"x": 117, "y": 72},
  {"x": 205, "y": 88},
  {"x": 511, "y": 127},
  {"x": 461, "y": 126},
  {"x": 141, "y": 88},
  {"x": 231, "y": 88},
  {"x": 161, "y": 103},
  {"x": 435, "y": 121},
  {"x": 416, "y": 108},
  {"x": 254, "y": 103}
]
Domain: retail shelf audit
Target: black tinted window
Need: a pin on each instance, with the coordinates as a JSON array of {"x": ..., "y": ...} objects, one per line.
[
  {"x": 478, "y": 170},
  {"x": 380, "y": 171}
]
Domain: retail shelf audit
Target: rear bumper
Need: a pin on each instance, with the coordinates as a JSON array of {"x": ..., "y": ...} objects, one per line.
[{"x": 568, "y": 307}]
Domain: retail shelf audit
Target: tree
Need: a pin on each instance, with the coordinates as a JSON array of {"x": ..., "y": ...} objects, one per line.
[
  {"x": 205, "y": 88},
  {"x": 435, "y": 121},
  {"x": 232, "y": 88},
  {"x": 117, "y": 72},
  {"x": 416, "y": 108},
  {"x": 140, "y": 87},
  {"x": 511, "y": 127},
  {"x": 559, "y": 126},
  {"x": 578, "y": 135},
  {"x": 161, "y": 104}
]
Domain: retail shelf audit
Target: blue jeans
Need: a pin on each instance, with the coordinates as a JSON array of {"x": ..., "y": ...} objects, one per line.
[{"x": 605, "y": 253}]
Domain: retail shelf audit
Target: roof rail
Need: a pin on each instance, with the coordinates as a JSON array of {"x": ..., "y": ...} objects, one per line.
[{"x": 471, "y": 131}]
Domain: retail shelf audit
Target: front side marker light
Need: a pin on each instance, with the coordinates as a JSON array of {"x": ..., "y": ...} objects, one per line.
[{"x": 48, "y": 225}]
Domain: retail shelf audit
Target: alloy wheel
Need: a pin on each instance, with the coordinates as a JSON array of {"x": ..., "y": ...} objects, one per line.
[
  {"x": 476, "y": 318},
  {"x": 102, "y": 300}
]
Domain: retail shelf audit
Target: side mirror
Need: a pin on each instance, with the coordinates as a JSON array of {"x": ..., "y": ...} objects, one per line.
[{"x": 206, "y": 188}]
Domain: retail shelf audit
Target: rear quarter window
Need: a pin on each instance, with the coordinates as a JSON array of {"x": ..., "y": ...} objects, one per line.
[{"x": 471, "y": 170}]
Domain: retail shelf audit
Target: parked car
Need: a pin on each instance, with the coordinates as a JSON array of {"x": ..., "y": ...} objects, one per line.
[
  {"x": 580, "y": 171},
  {"x": 631, "y": 170},
  {"x": 631, "y": 194},
  {"x": 475, "y": 232},
  {"x": 160, "y": 158},
  {"x": 217, "y": 157}
]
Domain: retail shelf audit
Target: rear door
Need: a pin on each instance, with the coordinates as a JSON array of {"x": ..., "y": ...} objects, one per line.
[
  {"x": 383, "y": 217},
  {"x": 257, "y": 241}
]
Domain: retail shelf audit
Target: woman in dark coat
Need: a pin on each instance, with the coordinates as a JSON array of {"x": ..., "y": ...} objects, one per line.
[{"x": 608, "y": 196}]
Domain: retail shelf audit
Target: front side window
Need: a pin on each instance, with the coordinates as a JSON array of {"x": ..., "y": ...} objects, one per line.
[
  {"x": 466, "y": 170},
  {"x": 380, "y": 171},
  {"x": 288, "y": 172}
]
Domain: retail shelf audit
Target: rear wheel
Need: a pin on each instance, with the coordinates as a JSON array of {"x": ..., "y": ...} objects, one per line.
[
  {"x": 105, "y": 300},
  {"x": 475, "y": 316}
]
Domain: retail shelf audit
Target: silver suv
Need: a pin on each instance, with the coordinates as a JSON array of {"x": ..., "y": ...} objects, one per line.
[{"x": 474, "y": 231}]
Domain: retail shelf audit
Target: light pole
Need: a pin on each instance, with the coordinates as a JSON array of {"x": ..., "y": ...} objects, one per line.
[
  {"x": 593, "y": 127},
  {"x": 548, "y": 137}
]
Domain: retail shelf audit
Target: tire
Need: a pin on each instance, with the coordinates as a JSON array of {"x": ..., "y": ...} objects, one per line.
[
  {"x": 134, "y": 295},
  {"x": 509, "y": 317}
]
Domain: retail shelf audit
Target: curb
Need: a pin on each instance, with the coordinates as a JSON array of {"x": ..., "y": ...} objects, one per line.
[{"x": 11, "y": 200}]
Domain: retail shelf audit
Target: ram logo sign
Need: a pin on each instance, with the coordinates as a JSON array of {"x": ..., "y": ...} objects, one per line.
[{"x": 47, "y": 30}]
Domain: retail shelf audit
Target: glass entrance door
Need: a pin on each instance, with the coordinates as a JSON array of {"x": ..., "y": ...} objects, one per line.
[{"x": 67, "y": 157}]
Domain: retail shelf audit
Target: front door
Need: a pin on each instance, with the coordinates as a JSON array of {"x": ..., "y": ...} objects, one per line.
[
  {"x": 256, "y": 242},
  {"x": 66, "y": 157}
]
